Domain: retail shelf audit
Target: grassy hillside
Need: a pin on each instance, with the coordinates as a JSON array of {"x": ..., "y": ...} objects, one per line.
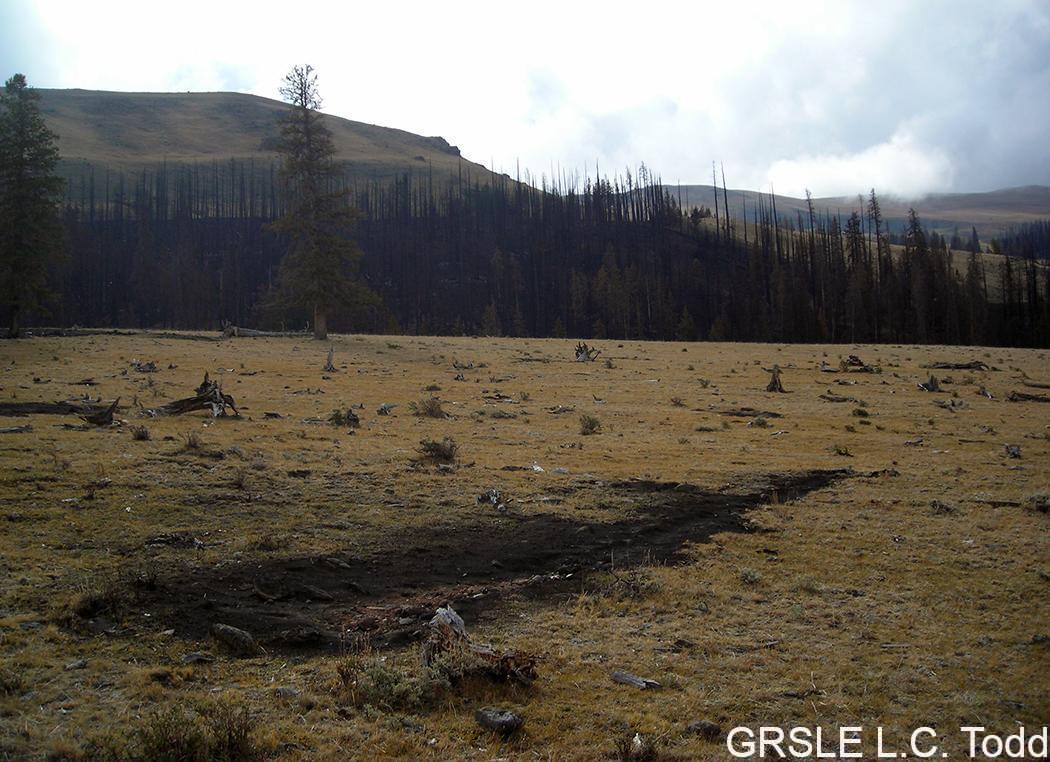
[
  {"x": 991, "y": 213},
  {"x": 129, "y": 131}
]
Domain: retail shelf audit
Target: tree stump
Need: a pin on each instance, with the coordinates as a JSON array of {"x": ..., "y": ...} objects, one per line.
[{"x": 774, "y": 384}]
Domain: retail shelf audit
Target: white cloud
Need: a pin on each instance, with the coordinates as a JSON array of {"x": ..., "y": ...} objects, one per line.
[
  {"x": 908, "y": 97},
  {"x": 900, "y": 165}
]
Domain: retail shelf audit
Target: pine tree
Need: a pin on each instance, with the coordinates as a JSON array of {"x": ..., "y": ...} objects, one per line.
[
  {"x": 317, "y": 272},
  {"x": 31, "y": 233}
]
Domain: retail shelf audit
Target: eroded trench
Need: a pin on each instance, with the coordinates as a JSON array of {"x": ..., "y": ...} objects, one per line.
[{"x": 310, "y": 603}]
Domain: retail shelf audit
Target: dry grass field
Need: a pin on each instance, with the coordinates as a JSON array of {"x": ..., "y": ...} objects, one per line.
[{"x": 876, "y": 560}]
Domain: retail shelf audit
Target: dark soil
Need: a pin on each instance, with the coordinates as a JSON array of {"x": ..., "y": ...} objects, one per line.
[{"x": 313, "y": 602}]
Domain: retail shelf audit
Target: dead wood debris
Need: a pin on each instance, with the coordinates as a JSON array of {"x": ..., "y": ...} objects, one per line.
[
  {"x": 829, "y": 397},
  {"x": 231, "y": 331},
  {"x": 448, "y": 635},
  {"x": 1016, "y": 396},
  {"x": 585, "y": 353},
  {"x": 972, "y": 365},
  {"x": 775, "y": 384},
  {"x": 626, "y": 678},
  {"x": 933, "y": 385},
  {"x": 16, "y": 429},
  {"x": 749, "y": 412},
  {"x": 209, "y": 397},
  {"x": 102, "y": 417}
]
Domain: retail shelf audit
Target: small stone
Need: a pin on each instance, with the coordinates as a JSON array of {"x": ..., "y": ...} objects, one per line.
[
  {"x": 236, "y": 640},
  {"x": 196, "y": 657},
  {"x": 705, "y": 729},
  {"x": 500, "y": 721}
]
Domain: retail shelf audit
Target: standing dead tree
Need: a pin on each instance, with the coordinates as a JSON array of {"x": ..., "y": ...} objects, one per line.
[
  {"x": 585, "y": 353},
  {"x": 209, "y": 397}
]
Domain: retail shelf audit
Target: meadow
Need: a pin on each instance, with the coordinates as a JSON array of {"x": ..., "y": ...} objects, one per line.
[{"x": 854, "y": 551}]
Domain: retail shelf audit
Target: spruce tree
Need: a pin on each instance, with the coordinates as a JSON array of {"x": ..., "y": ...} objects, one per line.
[
  {"x": 317, "y": 272},
  {"x": 31, "y": 234}
]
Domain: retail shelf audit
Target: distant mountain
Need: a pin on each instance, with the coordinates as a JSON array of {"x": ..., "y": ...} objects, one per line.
[
  {"x": 991, "y": 213},
  {"x": 132, "y": 131}
]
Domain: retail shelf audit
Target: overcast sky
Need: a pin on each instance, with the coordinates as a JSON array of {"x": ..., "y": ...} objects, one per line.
[{"x": 908, "y": 96}]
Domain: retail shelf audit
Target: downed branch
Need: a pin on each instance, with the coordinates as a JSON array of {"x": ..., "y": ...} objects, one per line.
[
  {"x": 209, "y": 397},
  {"x": 448, "y": 634}
]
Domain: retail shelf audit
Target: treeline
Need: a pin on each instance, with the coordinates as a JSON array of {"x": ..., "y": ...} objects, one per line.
[{"x": 189, "y": 247}]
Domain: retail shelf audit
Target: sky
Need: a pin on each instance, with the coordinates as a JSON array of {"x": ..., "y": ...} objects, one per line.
[{"x": 906, "y": 96}]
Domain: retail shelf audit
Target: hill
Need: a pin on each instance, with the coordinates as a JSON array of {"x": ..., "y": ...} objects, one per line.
[
  {"x": 132, "y": 131},
  {"x": 991, "y": 213}
]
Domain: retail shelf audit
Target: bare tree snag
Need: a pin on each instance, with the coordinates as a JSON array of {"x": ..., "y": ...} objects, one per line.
[{"x": 774, "y": 384}]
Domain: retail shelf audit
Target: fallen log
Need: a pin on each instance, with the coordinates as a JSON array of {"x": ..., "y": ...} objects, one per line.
[
  {"x": 16, "y": 429},
  {"x": 22, "y": 409},
  {"x": 230, "y": 331},
  {"x": 1016, "y": 396},
  {"x": 972, "y": 365},
  {"x": 749, "y": 412},
  {"x": 448, "y": 634},
  {"x": 209, "y": 397},
  {"x": 626, "y": 678}
]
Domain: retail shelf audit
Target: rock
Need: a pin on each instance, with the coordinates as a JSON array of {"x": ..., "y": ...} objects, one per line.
[
  {"x": 196, "y": 657},
  {"x": 638, "y": 682},
  {"x": 78, "y": 664},
  {"x": 500, "y": 721},
  {"x": 286, "y": 692},
  {"x": 705, "y": 729},
  {"x": 237, "y": 641}
]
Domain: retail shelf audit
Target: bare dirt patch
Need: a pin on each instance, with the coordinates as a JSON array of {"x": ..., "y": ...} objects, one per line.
[{"x": 310, "y": 602}]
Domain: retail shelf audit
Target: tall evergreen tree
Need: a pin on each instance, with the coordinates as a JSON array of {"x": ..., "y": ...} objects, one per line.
[
  {"x": 318, "y": 270},
  {"x": 31, "y": 232}
]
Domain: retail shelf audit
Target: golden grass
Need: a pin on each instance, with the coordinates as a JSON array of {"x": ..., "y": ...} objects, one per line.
[{"x": 857, "y": 604}]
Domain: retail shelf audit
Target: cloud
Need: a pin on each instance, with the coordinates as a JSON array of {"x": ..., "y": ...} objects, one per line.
[
  {"x": 834, "y": 95},
  {"x": 900, "y": 165}
]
